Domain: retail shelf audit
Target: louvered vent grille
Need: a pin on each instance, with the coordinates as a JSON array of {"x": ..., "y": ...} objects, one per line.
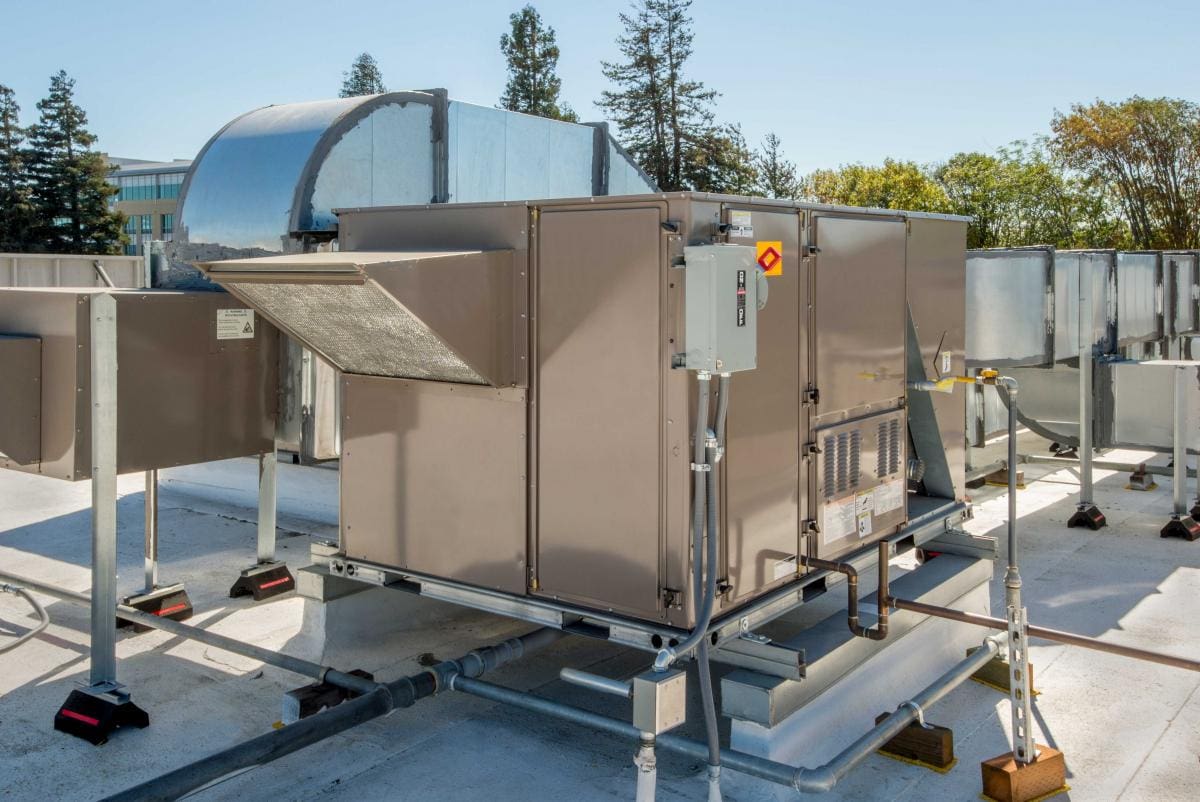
[
  {"x": 843, "y": 463},
  {"x": 830, "y": 449},
  {"x": 887, "y": 456}
]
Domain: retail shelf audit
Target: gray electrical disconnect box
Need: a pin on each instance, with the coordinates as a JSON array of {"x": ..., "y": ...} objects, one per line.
[{"x": 722, "y": 301}]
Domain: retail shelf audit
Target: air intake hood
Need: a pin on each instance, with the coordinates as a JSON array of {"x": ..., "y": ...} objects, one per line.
[{"x": 446, "y": 315}]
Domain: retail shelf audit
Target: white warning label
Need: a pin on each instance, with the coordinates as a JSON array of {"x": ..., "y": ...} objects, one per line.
[
  {"x": 889, "y": 496},
  {"x": 741, "y": 224},
  {"x": 864, "y": 509},
  {"x": 839, "y": 520},
  {"x": 235, "y": 324}
]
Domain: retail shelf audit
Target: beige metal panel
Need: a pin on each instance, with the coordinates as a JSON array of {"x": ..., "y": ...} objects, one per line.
[
  {"x": 936, "y": 287},
  {"x": 433, "y": 479},
  {"x": 763, "y": 502},
  {"x": 861, "y": 482},
  {"x": 599, "y": 408},
  {"x": 20, "y": 398},
  {"x": 183, "y": 395},
  {"x": 70, "y": 270},
  {"x": 59, "y": 317},
  {"x": 860, "y": 317}
]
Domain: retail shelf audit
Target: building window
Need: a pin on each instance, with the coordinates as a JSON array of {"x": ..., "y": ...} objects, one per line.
[
  {"x": 136, "y": 187},
  {"x": 147, "y": 223},
  {"x": 131, "y": 223},
  {"x": 168, "y": 224},
  {"x": 168, "y": 185}
]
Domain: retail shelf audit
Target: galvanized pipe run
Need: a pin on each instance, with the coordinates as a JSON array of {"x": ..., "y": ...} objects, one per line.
[
  {"x": 296, "y": 665},
  {"x": 381, "y": 700},
  {"x": 1107, "y": 465},
  {"x": 880, "y": 630},
  {"x": 1058, "y": 636},
  {"x": 804, "y": 780}
]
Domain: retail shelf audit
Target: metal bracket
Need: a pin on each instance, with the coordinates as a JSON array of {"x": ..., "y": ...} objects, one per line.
[
  {"x": 759, "y": 653},
  {"x": 1024, "y": 749}
]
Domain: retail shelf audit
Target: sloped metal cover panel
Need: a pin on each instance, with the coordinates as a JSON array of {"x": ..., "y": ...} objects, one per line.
[
  {"x": 360, "y": 329},
  {"x": 375, "y": 314}
]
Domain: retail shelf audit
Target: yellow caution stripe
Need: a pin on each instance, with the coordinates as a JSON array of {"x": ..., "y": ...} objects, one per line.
[{"x": 921, "y": 763}]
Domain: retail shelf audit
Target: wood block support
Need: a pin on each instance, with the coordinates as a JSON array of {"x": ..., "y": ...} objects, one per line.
[
  {"x": 931, "y": 745},
  {"x": 1006, "y": 780}
]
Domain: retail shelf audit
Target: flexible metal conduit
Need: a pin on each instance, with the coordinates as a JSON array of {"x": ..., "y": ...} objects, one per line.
[
  {"x": 1069, "y": 638},
  {"x": 805, "y": 780},
  {"x": 39, "y": 611},
  {"x": 880, "y": 630},
  {"x": 383, "y": 699},
  {"x": 296, "y": 665}
]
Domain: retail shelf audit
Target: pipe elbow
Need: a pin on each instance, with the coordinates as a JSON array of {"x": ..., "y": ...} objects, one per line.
[
  {"x": 814, "y": 781},
  {"x": 665, "y": 657}
]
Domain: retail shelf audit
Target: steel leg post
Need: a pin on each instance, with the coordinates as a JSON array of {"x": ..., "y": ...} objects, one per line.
[
  {"x": 103, "y": 705},
  {"x": 171, "y": 601},
  {"x": 267, "y": 499},
  {"x": 1182, "y": 524},
  {"x": 268, "y": 577},
  {"x": 151, "y": 530},
  {"x": 104, "y": 491},
  {"x": 1086, "y": 512}
]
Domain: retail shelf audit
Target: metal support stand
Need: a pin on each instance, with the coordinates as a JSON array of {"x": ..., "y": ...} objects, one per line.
[
  {"x": 168, "y": 602},
  {"x": 103, "y": 705},
  {"x": 268, "y": 577},
  {"x": 1086, "y": 512},
  {"x": 1182, "y": 524},
  {"x": 1018, "y": 655}
]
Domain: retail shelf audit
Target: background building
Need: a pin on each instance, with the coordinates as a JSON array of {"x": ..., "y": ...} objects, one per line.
[{"x": 148, "y": 195}]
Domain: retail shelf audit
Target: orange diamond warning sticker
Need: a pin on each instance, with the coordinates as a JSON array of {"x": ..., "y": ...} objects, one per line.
[{"x": 770, "y": 257}]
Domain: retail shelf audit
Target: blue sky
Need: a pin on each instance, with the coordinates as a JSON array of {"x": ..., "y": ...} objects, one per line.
[{"x": 840, "y": 82}]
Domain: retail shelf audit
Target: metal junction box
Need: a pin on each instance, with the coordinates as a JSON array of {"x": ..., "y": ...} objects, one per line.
[
  {"x": 556, "y": 464},
  {"x": 196, "y": 379},
  {"x": 722, "y": 307}
]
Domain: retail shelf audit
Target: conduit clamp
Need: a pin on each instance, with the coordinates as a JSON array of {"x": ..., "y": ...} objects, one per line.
[
  {"x": 916, "y": 709},
  {"x": 701, "y": 466}
]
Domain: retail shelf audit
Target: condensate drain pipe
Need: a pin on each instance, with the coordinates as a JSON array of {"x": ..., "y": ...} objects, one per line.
[{"x": 880, "y": 630}]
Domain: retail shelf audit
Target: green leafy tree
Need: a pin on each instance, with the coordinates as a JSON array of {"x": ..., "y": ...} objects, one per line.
[
  {"x": 16, "y": 206},
  {"x": 531, "y": 50},
  {"x": 894, "y": 185},
  {"x": 1020, "y": 196},
  {"x": 69, "y": 182},
  {"x": 363, "y": 78},
  {"x": 665, "y": 119},
  {"x": 1145, "y": 153},
  {"x": 721, "y": 161},
  {"x": 777, "y": 177}
]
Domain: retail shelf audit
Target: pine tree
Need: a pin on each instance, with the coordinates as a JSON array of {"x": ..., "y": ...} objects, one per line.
[
  {"x": 665, "y": 119},
  {"x": 364, "y": 78},
  {"x": 531, "y": 50},
  {"x": 16, "y": 208},
  {"x": 69, "y": 181},
  {"x": 777, "y": 177},
  {"x": 721, "y": 161}
]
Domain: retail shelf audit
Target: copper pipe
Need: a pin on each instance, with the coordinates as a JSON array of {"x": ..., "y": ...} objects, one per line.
[
  {"x": 880, "y": 630},
  {"x": 1058, "y": 636}
]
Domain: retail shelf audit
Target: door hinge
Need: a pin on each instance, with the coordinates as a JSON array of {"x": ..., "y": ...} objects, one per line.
[
  {"x": 672, "y": 599},
  {"x": 809, "y": 527},
  {"x": 811, "y": 250},
  {"x": 812, "y": 397},
  {"x": 811, "y": 450}
]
